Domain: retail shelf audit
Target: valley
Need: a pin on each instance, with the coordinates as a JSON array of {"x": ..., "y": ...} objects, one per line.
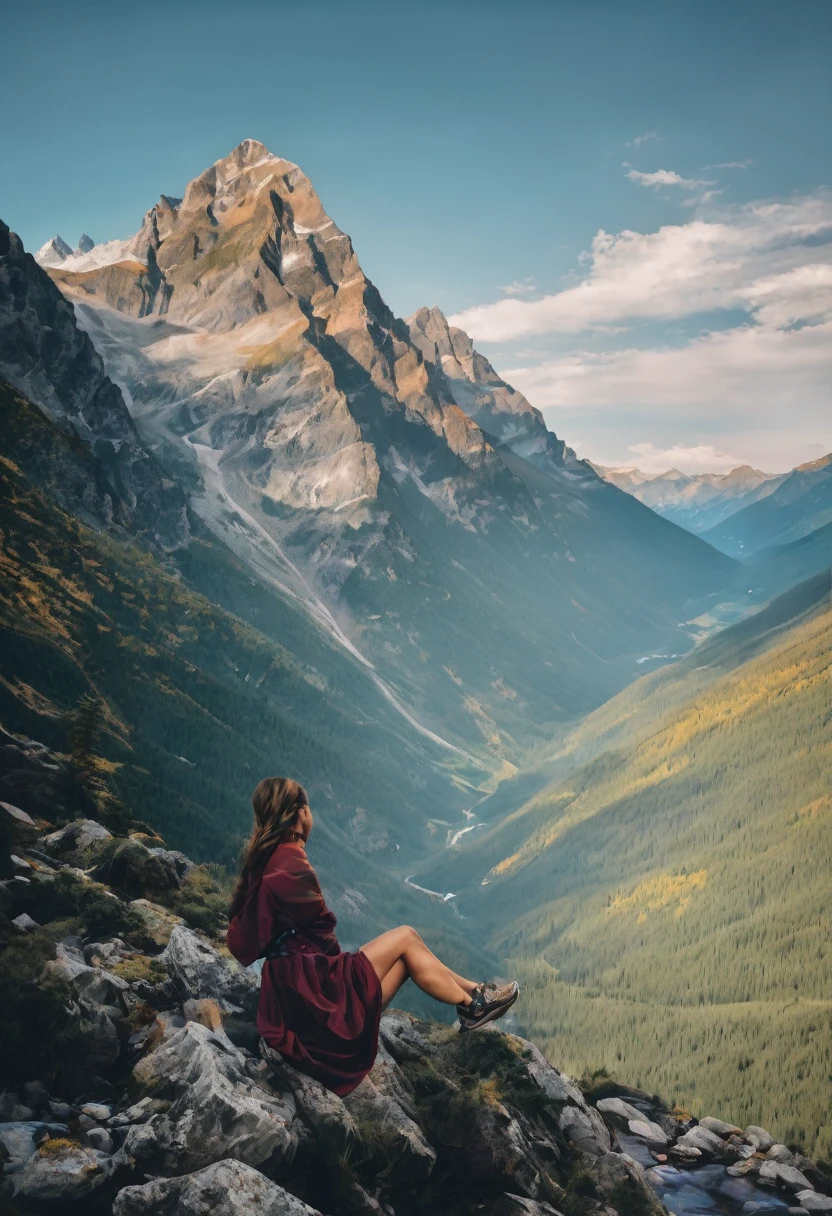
[{"x": 567, "y": 725}]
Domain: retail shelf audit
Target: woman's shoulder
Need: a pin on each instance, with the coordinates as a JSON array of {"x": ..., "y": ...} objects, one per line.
[{"x": 287, "y": 858}]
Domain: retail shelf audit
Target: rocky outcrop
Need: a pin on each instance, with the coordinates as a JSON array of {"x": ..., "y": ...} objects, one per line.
[
  {"x": 226, "y": 1188},
  {"x": 157, "y": 1099},
  {"x": 500, "y": 410},
  {"x": 53, "y": 363}
]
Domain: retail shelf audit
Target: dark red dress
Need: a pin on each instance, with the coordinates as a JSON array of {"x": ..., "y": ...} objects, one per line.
[{"x": 319, "y": 1006}]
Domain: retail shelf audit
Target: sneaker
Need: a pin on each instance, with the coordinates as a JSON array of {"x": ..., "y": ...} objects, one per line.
[{"x": 488, "y": 1002}]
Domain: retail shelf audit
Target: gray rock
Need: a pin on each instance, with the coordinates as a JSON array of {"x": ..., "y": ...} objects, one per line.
[
  {"x": 76, "y": 837},
  {"x": 67, "y": 1174},
  {"x": 617, "y": 1108},
  {"x": 21, "y": 1113},
  {"x": 399, "y": 1035},
  {"x": 645, "y": 1130},
  {"x": 99, "y": 1138},
  {"x": 379, "y": 1107},
  {"x": 686, "y": 1152},
  {"x": 812, "y": 1201},
  {"x": 21, "y": 1137},
  {"x": 699, "y": 1137},
  {"x": 759, "y": 1138},
  {"x": 779, "y": 1152},
  {"x": 14, "y": 812},
  {"x": 225, "y": 1188},
  {"x": 8, "y": 1101},
  {"x": 24, "y": 923},
  {"x": 97, "y": 1110},
  {"x": 581, "y": 1130},
  {"x": 785, "y": 1176},
  {"x": 61, "y": 1110},
  {"x": 623, "y": 1184},
  {"x": 201, "y": 971},
  {"x": 219, "y": 1106},
  {"x": 323, "y": 1111},
  {"x": 719, "y": 1128}
]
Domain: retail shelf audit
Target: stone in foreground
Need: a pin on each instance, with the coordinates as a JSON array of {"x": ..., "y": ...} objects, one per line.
[{"x": 227, "y": 1188}]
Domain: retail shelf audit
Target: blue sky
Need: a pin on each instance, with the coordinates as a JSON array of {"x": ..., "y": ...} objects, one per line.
[{"x": 473, "y": 147}]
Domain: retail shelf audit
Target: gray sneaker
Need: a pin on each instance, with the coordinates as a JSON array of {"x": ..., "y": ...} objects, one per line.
[{"x": 488, "y": 1002}]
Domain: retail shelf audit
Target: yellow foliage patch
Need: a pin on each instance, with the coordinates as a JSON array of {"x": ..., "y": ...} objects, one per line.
[{"x": 658, "y": 892}]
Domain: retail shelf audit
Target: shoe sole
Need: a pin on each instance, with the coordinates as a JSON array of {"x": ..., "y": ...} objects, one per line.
[{"x": 491, "y": 1016}]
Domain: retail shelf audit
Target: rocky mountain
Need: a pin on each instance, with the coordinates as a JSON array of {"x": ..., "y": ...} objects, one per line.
[
  {"x": 53, "y": 362},
  {"x": 698, "y": 501},
  {"x": 132, "y": 1083},
  {"x": 494, "y": 595},
  {"x": 658, "y": 877},
  {"x": 797, "y": 506},
  {"x": 502, "y": 413}
]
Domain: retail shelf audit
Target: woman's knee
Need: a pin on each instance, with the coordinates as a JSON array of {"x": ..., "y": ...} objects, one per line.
[{"x": 409, "y": 935}]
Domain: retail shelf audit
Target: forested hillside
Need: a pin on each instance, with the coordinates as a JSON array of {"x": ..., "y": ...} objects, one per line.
[
  {"x": 666, "y": 901},
  {"x": 198, "y": 704}
]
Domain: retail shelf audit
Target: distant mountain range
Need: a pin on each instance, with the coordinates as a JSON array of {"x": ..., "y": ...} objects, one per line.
[
  {"x": 704, "y": 503},
  {"x": 378, "y": 471}
]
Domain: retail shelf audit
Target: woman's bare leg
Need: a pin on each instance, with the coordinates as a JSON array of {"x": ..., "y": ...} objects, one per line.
[{"x": 404, "y": 946}]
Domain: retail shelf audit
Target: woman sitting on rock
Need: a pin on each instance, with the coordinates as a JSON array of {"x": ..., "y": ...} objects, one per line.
[{"x": 319, "y": 1005}]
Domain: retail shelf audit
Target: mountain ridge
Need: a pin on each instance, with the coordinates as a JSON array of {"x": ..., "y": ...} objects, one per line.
[{"x": 316, "y": 439}]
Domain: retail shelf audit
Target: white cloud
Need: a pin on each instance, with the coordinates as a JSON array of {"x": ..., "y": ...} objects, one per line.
[
  {"x": 726, "y": 261},
  {"x": 731, "y": 164},
  {"x": 749, "y": 371},
  {"x": 701, "y": 458},
  {"x": 702, "y": 200},
  {"x": 665, "y": 177},
  {"x": 643, "y": 139},
  {"x": 519, "y": 287}
]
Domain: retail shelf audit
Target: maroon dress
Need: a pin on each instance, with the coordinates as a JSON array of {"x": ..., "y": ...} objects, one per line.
[{"x": 319, "y": 1006}]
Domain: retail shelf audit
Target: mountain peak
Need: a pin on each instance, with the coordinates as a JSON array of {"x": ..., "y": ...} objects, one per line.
[
  {"x": 53, "y": 252},
  {"x": 85, "y": 243}
]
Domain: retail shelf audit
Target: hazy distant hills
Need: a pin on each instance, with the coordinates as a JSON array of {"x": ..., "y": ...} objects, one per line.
[
  {"x": 378, "y": 471},
  {"x": 742, "y": 512},
  {"x": 696, "y": 501},
  {"x": 800, "y": 504},
  {"x": 661, "y": 876}
]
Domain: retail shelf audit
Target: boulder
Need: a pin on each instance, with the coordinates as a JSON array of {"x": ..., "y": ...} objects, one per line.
[
  {"x": 157, "y": 922},
  {"x": 101, "y": 1140},
  {"x": 61, "y": 1170},
  {"x": 199, "y": 970},
  {"x": 779, "y": 1152},
  {"x": 719, "y": 1128},
  {"x": 225, "y": 1188},
  {"x": 220, "y": 1107},
  {"x": 322, "y": 1111},
  {"x": 699, "y": 1137},
  {"x": 20, "y": 1138},
  {"x": 131, "y": 869},
  {"x": 812, "y": 1201},
  {"x": 785, "y": 1176},
  {"x": 97, "y": 1111},
  {"x": 578, "y": 1121},
  {"x": 24, "y": 923},
  {"x": 379, "y": 1108},
  {"x": 19, "y": 816},
  {"x": 619, "y": 1110},
  {"x": 759, "y": 1138},
  {"x": 77, "y": 837},
  {"x": 622, "y": 1184},
  {"x": 397, "y": 1031},
  {"x": 645, "y": 1130}
]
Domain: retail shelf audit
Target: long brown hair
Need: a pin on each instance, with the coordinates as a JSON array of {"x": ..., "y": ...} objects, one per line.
[{"x": 277, "y": 802}]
